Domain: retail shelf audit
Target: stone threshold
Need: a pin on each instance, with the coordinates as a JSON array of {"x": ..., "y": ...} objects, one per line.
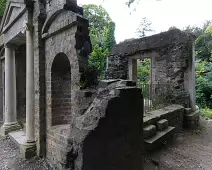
[{"x": 28, "y": 150}]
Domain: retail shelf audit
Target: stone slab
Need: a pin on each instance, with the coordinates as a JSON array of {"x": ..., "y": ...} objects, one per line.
[{"x": 18, "y": 137}]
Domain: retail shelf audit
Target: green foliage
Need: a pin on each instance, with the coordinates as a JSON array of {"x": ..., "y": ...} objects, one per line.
[
  {"x": 204, "y": 84},
  {"x": 99, "y": 21},
  {"x": 207, "y": 113},
  {"x": 203, "y": 42},
  {"x": 98, "y": 59},
  {"x": 89, "y": 77},
  {"x": 204, "y": 64},
  {"x": 110, "y": 38},
  {"x": 2, "y": 6},
  {"x": 102, "y": 36},
  {"x": 144, "y": 71}
]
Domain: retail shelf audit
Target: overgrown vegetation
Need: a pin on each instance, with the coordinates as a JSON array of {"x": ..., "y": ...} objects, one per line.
[
  {"x": 102, "y": 30},
  {"x": 203, "y": 64},
  {"x": 144, "y": 71},
  {"x": 2, "y": 7},
  {"x": 207, "y": 113}
]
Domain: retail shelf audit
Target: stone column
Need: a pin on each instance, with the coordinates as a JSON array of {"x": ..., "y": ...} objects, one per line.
[
  {"x": 10, "y": 120},
  {"x": 28, "y": 149},
  {"x": 30, "y": 115}
]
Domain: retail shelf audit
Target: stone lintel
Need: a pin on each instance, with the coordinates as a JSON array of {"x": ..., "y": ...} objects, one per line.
[
  {"x": 5, "y": 129},
  {"x": 28, "y": 150}
]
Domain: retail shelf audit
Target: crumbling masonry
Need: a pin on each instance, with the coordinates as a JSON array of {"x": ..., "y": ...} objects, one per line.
[
  {"x": 45, "y": 109},
  {"x": 44, "y": 47}
]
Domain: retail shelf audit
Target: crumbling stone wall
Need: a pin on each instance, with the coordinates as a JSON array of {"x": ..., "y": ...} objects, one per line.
[
  {"x": 172, "y": 55},
  {"x": 117, "y": 67},
  {"x": 109, "y": 133}
]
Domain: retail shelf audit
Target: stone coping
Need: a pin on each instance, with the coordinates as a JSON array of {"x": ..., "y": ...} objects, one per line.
[{"x": 153, "y": 116}]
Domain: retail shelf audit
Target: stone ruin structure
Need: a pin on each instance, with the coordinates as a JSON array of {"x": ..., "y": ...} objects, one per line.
[
  {"x": 172, "y": 57},
  {"x": 172, "y": 60},
  {"x": 44, "y": 47},
  {"x": 46, "y": 109}
]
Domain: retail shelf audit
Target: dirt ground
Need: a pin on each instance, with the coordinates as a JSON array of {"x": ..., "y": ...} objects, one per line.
[
  {"x": 189, "y": 150},
  {"x": 10, "y": 158}
]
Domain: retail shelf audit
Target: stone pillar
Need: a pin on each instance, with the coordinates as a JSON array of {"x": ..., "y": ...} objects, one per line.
[
  {"x": 28, "y": 149},
  {"x": 191, "y": 79},
  {"x": 132, "y": 69},
  {"x": 30, "y": 111},
  {"x": 10, "y": 120}
]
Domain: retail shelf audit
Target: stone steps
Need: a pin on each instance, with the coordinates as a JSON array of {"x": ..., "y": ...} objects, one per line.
[
  {"x": 159, "y": 139},
  {"x": 156, "y": 135}
]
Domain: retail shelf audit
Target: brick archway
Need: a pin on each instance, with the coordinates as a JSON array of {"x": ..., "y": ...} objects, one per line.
[{"x": 61, "y": 90}]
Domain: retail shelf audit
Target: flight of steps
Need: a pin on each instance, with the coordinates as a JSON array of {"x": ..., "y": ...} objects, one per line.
[{"x": 156, "y": 135}]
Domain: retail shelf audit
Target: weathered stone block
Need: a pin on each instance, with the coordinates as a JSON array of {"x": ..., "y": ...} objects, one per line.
[
  {"x": 162, "y": 124},
  {"x": 191, "y": 121},
  {"x": 28, "y": 150},
  {"x": 149, "y": 131}
]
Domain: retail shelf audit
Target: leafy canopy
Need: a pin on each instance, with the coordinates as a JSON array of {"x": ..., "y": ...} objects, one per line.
[{"x": 102, "y": 31}]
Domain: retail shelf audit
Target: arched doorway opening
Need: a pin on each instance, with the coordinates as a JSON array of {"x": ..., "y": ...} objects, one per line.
[{"x": 61, "y": 90}]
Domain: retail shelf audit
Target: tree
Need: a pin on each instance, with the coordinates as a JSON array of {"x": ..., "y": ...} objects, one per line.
[
  {"x": 102, "y": 36},
  {"x": 144, "y": 27},
  {"x": 2, "y": 7},
  {"x": 203, "y": 49},
  {"x": 172, "y": 28},
  {"x": 130, "y": 2},
  {"x": 99, "y": 21},
  {"x": 110, "y": 38},
  {"x": 203, "y": 45}
]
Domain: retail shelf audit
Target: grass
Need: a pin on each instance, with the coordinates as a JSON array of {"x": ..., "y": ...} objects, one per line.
[{"x": 207, "y": 113}]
